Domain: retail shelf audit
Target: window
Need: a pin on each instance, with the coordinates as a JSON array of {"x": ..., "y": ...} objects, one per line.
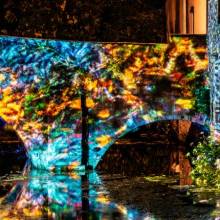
[{"x": 186, "y": 16}]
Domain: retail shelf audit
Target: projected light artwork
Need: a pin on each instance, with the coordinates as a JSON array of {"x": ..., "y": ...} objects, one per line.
[{"x": 127, "y": 86}]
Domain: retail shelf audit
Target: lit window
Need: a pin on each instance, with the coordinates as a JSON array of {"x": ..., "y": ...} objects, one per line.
[{"x": 186, "y": 16}]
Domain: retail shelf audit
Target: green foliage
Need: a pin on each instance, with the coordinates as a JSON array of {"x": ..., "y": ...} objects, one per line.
[
  {"x": 204, "y": 159},
  {"x": 202, "y": 99},
  {"x": 28, "y": 108}
]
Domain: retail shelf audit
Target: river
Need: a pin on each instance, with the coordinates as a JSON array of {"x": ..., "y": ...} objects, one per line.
[{"x": 42, "y": 195}]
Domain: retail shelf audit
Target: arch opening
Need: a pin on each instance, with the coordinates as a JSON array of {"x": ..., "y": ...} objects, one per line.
[
  {"x": 13, "y": 156},
  {"x": 158, "y": 148}
]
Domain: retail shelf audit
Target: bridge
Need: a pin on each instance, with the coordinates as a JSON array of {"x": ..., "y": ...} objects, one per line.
[{"x": 125, "y": 86}]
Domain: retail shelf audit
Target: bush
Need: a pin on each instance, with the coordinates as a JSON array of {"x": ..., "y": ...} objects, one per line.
[{"x": 205, "y": 159}]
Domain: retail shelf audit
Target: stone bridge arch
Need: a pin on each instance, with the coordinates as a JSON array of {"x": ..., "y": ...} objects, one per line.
[
  {"x": 184, "y": 124},
  {"x": 12, "y": 151},
  {"x": 126, "y": 86},
  {"x": 158, "y": 148}
]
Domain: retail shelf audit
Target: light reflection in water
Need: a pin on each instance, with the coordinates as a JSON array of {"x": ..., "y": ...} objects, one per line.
[{"x": 49, "y": 196}]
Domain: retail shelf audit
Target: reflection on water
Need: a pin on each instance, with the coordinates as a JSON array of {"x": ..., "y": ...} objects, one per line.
[{"x": 43, "y": 195}]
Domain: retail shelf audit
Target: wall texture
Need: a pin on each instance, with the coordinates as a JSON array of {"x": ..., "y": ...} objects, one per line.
[
  {"x": 97, "y": 20},
  {"x": 214, "y": 64}
]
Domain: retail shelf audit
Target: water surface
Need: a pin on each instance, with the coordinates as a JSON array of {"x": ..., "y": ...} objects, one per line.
[{"x": 41, "y": 195}]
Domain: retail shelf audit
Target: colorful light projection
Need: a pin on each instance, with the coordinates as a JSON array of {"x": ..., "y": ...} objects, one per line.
[
  {"x": 127, "y": 85},
  {"x": 47, "y": 196}
]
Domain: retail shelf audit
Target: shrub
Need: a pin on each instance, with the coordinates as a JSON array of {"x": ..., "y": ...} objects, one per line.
[{"x": 205, "y": 159}]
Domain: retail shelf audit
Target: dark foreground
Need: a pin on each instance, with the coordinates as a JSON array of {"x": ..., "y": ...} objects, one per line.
[{"x": 48, "y": 196}]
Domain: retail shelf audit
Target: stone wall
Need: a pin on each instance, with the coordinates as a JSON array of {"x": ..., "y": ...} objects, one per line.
[
  {"x": 97, "y": 20},
  {"x": 214, "y": 65}
]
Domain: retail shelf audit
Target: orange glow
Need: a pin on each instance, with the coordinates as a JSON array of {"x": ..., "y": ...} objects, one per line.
[
  {"x": 75, "y": 104},
  {"x": 103, "y": 140},
  {"x": 73, "y": 165},
  {"x": 104, "y": 114}
]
